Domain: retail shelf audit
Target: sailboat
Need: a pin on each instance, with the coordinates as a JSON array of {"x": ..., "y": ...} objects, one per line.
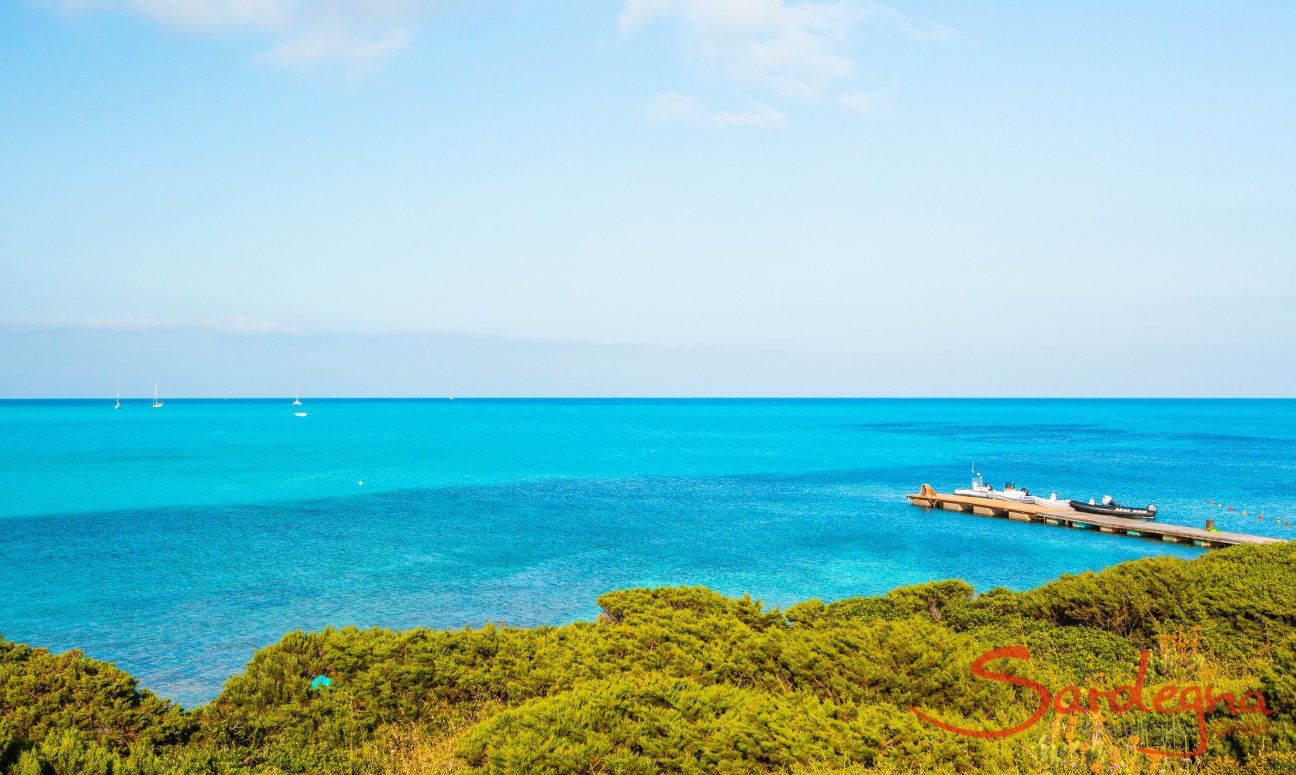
[
  {"x": 297, "y": 402},
  {"x": 118, "y": 404},
  {"x": 156, "y": 403}
]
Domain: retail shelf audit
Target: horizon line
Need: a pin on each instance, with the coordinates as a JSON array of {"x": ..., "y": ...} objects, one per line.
[{"x": 604, "y": 397}]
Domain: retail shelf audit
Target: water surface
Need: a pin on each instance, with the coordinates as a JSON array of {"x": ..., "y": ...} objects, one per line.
[{"x": 174, "y": 542}]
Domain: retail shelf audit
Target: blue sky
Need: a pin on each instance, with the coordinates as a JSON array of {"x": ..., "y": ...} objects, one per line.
[{"x": 653, "y": 197}]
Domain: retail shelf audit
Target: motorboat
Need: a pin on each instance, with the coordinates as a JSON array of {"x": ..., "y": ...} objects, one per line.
[
  {"x": 1011, "y": 492},
  {"x": 980, "y": 489},
  {"x": 1053, "y": 501},
  {"x": 1111, "y": 508}
]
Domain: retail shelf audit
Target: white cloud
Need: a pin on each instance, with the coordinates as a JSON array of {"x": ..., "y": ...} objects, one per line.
[
  {"x": 788, "y": 49},
  {"x": 245, "y": 326},
  {"x": 113, "y": 324},
  {"x": 240, "y": 325},
  {"x": 356, "y": 35},
  {"x": 679, "y": 109},
  {"x": 795, "y": 49},
  {"x": 866, "y": 102},
  {"x": 325, "y": 45},
  {"x": 199, "y": 14}
]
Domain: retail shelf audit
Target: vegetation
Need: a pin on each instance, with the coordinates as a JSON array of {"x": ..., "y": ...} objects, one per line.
[{"x": 683, "y": 680}]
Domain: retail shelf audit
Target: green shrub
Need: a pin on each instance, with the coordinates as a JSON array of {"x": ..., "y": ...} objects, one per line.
[{"x": 685, "y": 680}]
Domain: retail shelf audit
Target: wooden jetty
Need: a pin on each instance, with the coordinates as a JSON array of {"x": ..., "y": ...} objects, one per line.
[{"x": 1052, "y": 515}]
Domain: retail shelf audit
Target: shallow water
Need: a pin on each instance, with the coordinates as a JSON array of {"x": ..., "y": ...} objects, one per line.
[{"x": 174, "y": 542}]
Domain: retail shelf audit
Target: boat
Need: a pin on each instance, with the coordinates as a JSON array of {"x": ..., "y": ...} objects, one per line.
[
  {"x": 156, "y": 403},
  {"x": 1012, "y": 492},
  {"x": 1053, "y": 501},
  {"x": 1111, "y": 508},
  {"x": 980, "y": 489},
  {"x": 118, "y": 404},
  {"x": 297, "y": 402}
]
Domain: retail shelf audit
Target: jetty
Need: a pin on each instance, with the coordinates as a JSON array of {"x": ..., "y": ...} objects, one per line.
[{"x": 928, "y": 498}]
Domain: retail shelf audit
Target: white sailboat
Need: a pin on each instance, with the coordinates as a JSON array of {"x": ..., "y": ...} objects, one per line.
[
  {"x": 118, "y": 404},
  {"x": 156, "y": 403},
  {"x": 297, "y": 402}
]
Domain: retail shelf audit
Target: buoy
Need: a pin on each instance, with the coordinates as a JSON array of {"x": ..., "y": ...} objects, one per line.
[{"x": 360, "y": 483}]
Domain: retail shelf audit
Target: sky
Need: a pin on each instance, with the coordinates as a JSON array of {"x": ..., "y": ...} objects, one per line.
[{"x": 647, "y": 197}]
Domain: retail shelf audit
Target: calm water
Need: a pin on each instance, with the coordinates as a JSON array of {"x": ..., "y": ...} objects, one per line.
[{"x": 174, "y": 542}]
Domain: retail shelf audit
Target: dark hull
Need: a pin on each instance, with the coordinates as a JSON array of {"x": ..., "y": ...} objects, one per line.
[{"x": 1113, "y": 511}]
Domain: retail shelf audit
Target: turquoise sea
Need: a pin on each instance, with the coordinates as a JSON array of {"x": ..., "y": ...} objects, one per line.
[{"x": 175, "y": 542}]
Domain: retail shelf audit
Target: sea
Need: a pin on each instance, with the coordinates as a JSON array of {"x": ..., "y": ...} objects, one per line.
[{"x": 174, "y": 542}]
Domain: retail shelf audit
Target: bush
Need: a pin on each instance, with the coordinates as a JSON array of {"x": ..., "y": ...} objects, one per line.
[{"x": 686, "y": 680}]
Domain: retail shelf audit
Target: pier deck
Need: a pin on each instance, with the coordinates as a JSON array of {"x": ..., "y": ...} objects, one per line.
[{"x": 926, "y": 497}]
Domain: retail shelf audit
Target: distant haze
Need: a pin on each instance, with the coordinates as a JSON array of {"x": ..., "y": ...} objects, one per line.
[{"x": 982, "y": 357}]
